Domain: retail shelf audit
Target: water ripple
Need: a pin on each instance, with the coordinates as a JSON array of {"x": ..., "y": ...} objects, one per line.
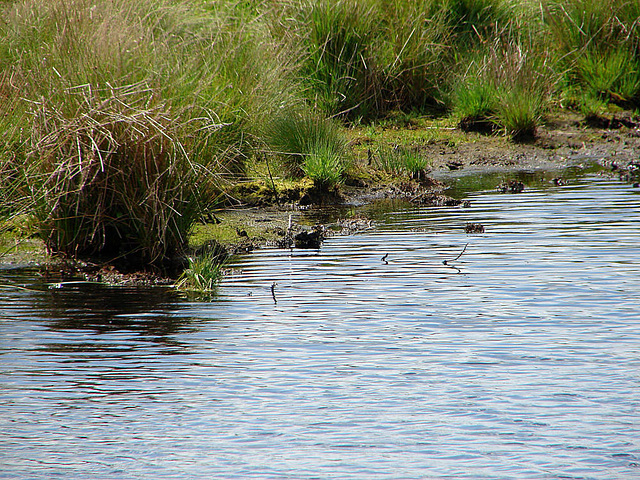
[{"x": 518, "y": 360}]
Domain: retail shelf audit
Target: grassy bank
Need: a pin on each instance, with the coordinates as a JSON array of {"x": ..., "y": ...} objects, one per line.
[{"x": 123, "y": 123}]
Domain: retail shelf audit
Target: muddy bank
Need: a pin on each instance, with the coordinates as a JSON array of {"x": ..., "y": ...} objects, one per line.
[
  {"x": 296, "y": 220},
  {"x": 566, "y": 140},
  {"x": 610, "y": 145}
]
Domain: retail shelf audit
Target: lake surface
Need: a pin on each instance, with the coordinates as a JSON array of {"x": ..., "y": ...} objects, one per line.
[{"x": 518, "y": 360}]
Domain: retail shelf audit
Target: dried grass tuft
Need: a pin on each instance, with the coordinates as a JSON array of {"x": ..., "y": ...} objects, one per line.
[{"x": 114, "y": 179}]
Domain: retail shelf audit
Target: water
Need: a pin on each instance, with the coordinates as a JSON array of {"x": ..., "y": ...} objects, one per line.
[{"x": 518, "y": 360}]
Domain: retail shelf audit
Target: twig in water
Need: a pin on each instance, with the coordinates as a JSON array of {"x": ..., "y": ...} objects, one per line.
[
  {"x": 273, "y": 292},
  {"x": 384, "y": 259},
  {"x": 445, "y": 262}
]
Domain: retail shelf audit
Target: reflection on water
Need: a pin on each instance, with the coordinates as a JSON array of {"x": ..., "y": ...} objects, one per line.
[{"x": 519, "y": 359}]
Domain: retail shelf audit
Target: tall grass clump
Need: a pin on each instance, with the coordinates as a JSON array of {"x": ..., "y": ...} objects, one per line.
[
  {"x": 475, "y": 22},
  {"x": 132, "y": 114},
  {"x": 363, "y": 59},
  {"x": 114, "y": 180},
  {"x": 505, "y": 88},
  {"x": 308, "y": 144},
  {"x": 402, "y": 161},
  {"x": 598, "y": 44},
  {"x": 414, "y": 52},
  {"x": 12, "y": 194},
  {"x": 339, "y": 64}
]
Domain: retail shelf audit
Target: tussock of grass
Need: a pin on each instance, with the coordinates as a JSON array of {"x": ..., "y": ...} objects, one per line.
[
  {"x": 402, "y": 161},
  {"x": 114, "y": 180},
  {"x": 508, "y": 86},
  {"x": 307, "y": 144},
  {"x": 614, "y": 75},
  {"x": 324, "y": 166},
  {"x": 123, "y": 117},
  {"x": 598, "y": 47},
  {"x": 201, "y": 276}
]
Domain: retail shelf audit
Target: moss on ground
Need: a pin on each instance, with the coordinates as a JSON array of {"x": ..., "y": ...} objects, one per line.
[
  {"x": 260, "y": 192},
  {"x": 19, "y": 244}
]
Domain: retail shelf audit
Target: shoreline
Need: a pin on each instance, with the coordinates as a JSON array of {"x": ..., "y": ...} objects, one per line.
[{"x": 558, "y": 145}]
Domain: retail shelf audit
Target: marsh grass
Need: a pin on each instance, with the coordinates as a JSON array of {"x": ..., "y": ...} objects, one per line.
[
  {"x": 307, "y": 144},
  {"x": 613, "y": 75},
  {"x": 119, "y": 120},
  {"x": 129, "y": 115},
  {"x": 598, "y": 48},
  {"x": 366, "y": 58},
  {"x": 115, "y": 180},
  {"x": 324, "y": 166},
  {"x": 402, "y": 161},
  {"x": 474, "y": 100},
  {"x": 519, "y": 112},
  {"x": 339, "y": 66},
  {"x": 508, "y": 86},
  {"x": 202, "y": 275},
  {"x": 413, "y": 52}
]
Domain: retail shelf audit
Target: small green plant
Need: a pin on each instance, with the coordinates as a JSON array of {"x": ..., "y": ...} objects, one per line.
[
  {"x": 518, "y": 112},
  {"x": 591, "y": 106},
  {"x": 401, "y": 161},
  {"x": 202, "y": 276},
  {"x": 306, "y": 143},
  {"x": 417, "y": 165},
  {"x": 324, "y": 166}
]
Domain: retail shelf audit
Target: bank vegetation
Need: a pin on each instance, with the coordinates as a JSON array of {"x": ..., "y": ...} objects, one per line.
[{"x": 124, "y": 123}]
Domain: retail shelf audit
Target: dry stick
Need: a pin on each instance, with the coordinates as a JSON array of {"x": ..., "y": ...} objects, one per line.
[{"x": 444, "y": 262}]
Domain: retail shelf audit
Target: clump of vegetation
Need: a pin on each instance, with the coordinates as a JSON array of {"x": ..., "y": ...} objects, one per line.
[
  {"x": 121, "y": 120},
  {"x": 201, "y": 276},
  {"x": 363, "y": 59},
  {"x": 114, "y": 181},
  {"x": 324, "y": 166},
  {"x": 338, "y": 36},
  {"x": 308, "y": 144},
  {"x": 507, "y": 88},
  {"x": 402, "y": 161},
  {"x": 598, "y": 48}
]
